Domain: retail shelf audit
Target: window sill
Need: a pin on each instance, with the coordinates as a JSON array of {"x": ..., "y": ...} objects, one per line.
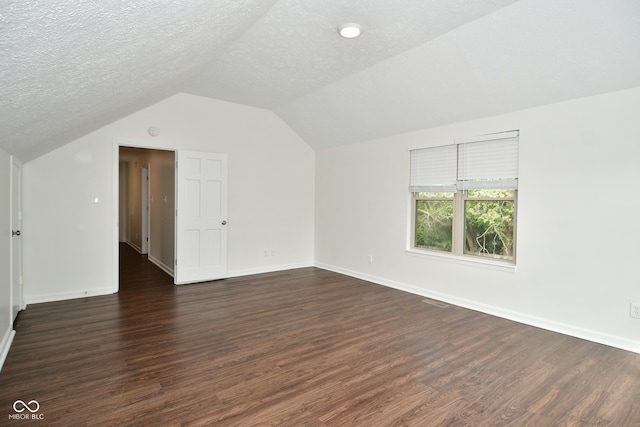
[{"x": 464, "y": 260}]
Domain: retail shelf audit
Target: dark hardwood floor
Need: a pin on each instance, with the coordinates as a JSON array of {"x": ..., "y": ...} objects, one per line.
[{"x": 301, "y": 347}]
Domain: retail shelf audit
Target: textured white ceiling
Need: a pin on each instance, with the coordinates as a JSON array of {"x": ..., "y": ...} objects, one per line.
[
  {"x": 68, "y": 67},
  {"x": 295, "y": 48}
]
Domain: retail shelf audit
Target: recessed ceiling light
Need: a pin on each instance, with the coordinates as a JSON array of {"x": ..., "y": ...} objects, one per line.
[{"x": 350, "y": 30}]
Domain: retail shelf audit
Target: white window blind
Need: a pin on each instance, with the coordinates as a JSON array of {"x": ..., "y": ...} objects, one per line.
[
  {"x": 491, "y": 162},
  {"x": 434, "y": 169},
  {"x": 486, "y": 162}
]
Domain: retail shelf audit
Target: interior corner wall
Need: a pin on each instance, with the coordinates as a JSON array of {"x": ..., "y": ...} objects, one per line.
[
  {"x": 6, "y": 323},
  {"x": 132, "y": 223},
  {"x": 68, "y": 240},
  {"x": 577, "y": 268}
]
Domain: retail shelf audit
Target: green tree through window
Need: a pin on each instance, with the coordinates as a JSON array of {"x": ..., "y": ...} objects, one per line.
[
  {"x": 489, "y": 223},
  {"x": 434, "y": 224},
  {"x": 487, "y": 219}
]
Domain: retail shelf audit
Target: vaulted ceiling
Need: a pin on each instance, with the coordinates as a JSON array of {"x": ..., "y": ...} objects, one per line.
[{"x": 68, "y": 67}]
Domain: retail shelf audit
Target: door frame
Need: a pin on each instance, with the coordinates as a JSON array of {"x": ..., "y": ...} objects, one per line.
[
  {"x": 115, "y": 239},
  {"x": 125, "y": 142},
  {"x": 16, "y": 241},
  {"x": 146, "y": 226}
]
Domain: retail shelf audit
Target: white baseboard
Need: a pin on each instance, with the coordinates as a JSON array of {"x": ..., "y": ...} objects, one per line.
[
  {"x": 162, "y": 266},
  {"x": 134, "y": 246},
  {"x": 269, "y": 269},
  {"x": 550, "y": 325},
  {"x": 5, "y": 345},
  {"x": 68, "y": 295},
  {"x": 35, "y": 299}
]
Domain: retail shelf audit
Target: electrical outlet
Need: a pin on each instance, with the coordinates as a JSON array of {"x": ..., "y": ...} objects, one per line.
[
  {"x": 635, "y": 310},
  {"x": 370, "y": 259}
]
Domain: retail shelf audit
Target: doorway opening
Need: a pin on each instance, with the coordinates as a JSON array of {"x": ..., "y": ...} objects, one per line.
[
  {"x": 146, "y": 204},
  {"x": 187, "y": 210}
]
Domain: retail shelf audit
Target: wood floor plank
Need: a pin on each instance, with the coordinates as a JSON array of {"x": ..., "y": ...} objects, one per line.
[{"x": 301, "y": 347}]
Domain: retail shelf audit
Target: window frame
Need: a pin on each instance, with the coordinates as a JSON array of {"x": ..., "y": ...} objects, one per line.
[{"x": 460, "y": 197}]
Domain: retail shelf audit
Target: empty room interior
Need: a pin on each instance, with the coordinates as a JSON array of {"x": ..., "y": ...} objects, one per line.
[{"x": 294, "y": 212}]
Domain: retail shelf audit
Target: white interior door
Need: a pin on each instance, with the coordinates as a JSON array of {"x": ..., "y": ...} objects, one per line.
[
  {"x": 201, "y": 232},
  {"x": 16, "y": 239}
]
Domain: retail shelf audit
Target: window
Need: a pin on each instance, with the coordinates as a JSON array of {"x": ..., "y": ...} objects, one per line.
[{"x": 464, "y": 197}]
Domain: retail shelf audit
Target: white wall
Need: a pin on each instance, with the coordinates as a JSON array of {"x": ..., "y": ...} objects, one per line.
[
  {"x": 6, "y": 323},
  {"x": 68, "y": 241},
  {"x": 578, "y": 236}
]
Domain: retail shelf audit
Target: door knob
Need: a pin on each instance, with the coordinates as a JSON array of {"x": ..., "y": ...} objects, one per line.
[
  {"x": 15, "y": 233},
  {"x": 224, "y": 222}
]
